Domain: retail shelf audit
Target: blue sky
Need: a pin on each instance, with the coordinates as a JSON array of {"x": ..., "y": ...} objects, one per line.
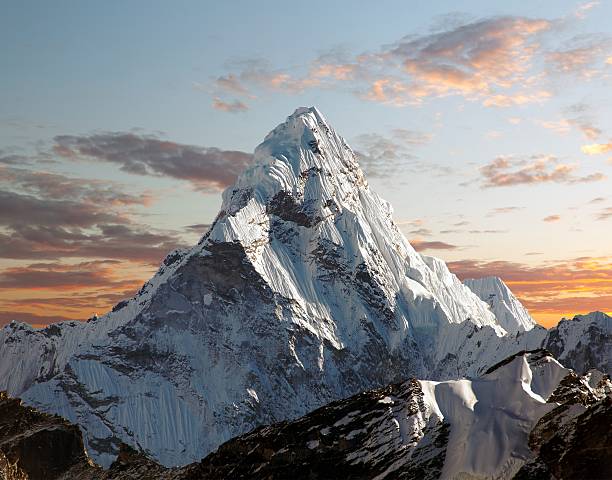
[{"x": 474, "y": 119}]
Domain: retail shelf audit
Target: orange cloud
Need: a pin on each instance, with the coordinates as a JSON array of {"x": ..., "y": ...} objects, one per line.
[
  {"x": 474, "y": 59},
  {"x": 552, "y": 218},
  {"x": 230, "y": 107},
  {"x": 47, "y": 292},
  {"x": 501, "y": 100},
  {"x": 389, "y": 91},
  {"x": 506, "y": 171},
  {"x": 596, "y": 148},
  {"x": 338, "y": 72},
  {"x": 490, "y": 60},
  {"x": 551, "y": 291}
]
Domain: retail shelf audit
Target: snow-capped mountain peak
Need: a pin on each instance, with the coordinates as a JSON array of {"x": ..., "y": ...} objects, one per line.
[
  {"x": 508, "y": 310},
  {"x": 303, "y": 291}
]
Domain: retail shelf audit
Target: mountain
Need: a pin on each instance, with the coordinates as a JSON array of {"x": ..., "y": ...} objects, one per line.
[
  {"x": 526, "y": 418},
  {"x": 302, "y": 292},
  {"x": 508, "y": 310},
  {"x": 583, "y": 343}
]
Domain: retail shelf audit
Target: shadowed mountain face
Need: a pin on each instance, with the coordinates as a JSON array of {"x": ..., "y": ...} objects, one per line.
[
  {"x": 516, "y": 421},
  {"x": 303, "y": 292}
]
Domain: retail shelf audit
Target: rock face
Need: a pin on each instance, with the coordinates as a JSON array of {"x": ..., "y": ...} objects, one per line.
[
  {"x": 36, "y": 445},
  {"x": 508, "y": 310},
  {"x": 583, "y": 343},
  {"x": 303, "y": 292}
]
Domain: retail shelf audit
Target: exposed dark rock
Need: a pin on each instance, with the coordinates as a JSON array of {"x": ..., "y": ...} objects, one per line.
[
  {"x": 576, "y": 448},
  {"x": 354, "y": 438},
  {"x": 35, "y": 445},
  {"x": 541, "y": 353},
  {"x": 286, "y": 207}
]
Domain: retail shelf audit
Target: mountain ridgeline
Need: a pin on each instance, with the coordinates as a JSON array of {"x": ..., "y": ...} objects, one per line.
[{"x": 303, "y": 292}]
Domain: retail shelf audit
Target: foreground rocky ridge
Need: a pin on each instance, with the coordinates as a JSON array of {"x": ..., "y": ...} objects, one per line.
[
  {"x": 302, "y": 292},
  {"x": 516, "y": 421}
]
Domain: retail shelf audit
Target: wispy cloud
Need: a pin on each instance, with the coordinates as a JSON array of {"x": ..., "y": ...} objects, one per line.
[
  {"x": 503, "y": 210},
  {"x": 232, "y": 84},
  {"x": 597, "y": 148},
  {"x": 65, "y": 276},
  {"x": 42, "y": 293},
  {"x": 236, "y": 106},
  {"x": 51, "y": 216},
  {"x": 423, "y": 245},
  {"x": 500, "y": 61},
  {"x": 552, "y": 218},
  {"x": 605, "y": 214},
  {"x": 583, "y": 56},
  {"x": 508, "y": 171},
  {"x": 205, "y": 167},
  {"x": 386, "y": 155},
  {"x": 584, "y": 8}
]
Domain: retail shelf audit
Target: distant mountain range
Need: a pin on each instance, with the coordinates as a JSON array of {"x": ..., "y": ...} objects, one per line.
[{"x": 303, "y": 292}]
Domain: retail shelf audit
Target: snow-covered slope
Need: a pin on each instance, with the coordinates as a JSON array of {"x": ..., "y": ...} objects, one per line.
[
  {"x": 508, "y": 310},
  {"x": 304, "y": 291}
]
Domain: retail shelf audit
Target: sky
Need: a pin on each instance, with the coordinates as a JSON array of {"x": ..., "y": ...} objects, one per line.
[{"x": 487, "y": 126}]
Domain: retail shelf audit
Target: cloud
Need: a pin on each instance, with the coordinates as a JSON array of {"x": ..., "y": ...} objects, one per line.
[
  {"x": 496, "y": 60},
  {"x": 57, "y": 275},
  {"x": 232, "y": 84},
  {"x": 133, "y": 242},
  {"x": 43, "y": 293},
  {"x": 473, "y": 58},
  {"x": 563, "y": 287},
  {"x": 507, "y": 171},
  {"x": 560, "y": 126},
  {"x": 33, "y": 319},
  {"x": 582, "y": 9},
  {"x": 422, "y": 245},
  {"x": 581, "y": 56},
  {"x": 205, "y": 168},
  {"x": 54, "y": 216},
  {"x": 605, "y": 214},
  {"x": 18, "y": 209},
  {"x": 387, "y": 155},
  {"x": 579, "y": 116},
  {"x": 258, "y": 73},
  {"x": 60, "y": 187},
  {"x": 487, "y": 231},
  {"x": 198, "y": 227},
  {"x": 597, "y": 148},
  {"x": 519, "y": 98},
  {"x": 552, "y": 218},
  {"x": 502, "y": 210},
  {"x": 231, "y": 107}
]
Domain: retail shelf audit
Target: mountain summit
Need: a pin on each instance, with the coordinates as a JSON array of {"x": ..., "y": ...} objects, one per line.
[
  {"x": 510, "y": 313},
  {"x": 302, "y": 292}
]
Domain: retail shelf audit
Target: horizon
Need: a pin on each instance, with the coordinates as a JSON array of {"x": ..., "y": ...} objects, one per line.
[{"x": 489, "y": 134}]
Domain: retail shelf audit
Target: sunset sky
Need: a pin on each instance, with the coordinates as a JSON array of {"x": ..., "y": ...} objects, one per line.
[{"x": 488, "y": 128}]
